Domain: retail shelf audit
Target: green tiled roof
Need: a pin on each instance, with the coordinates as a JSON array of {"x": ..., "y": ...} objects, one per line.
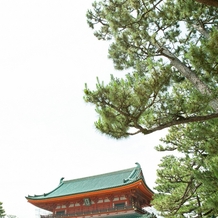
[{"x": 94, "y": 183}]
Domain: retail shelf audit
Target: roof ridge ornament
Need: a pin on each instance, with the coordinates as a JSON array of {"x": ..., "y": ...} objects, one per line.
[
  {"x": 61, "y": 180},
  {"x": 138, "y": 165},
  {"x": 132, "y": 175}
]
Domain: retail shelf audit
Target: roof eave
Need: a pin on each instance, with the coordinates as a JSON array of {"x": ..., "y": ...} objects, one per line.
[{"x": 138, "y": 183}]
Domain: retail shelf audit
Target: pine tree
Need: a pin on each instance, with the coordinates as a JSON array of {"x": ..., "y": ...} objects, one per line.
[
  {"x": 171, "y": 49},
  {"x": 187, "y": 185},
  {"x": 2, "y": 212}
]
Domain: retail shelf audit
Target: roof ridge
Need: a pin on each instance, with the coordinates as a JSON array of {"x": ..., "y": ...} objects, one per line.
[{"x": 98, "y": 175}]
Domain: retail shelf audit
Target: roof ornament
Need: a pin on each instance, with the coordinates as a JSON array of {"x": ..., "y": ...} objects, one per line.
[
  {"x": 138, "y": 165},
  {"x": 133, "y": 175},
  {"x": 61, "y": 180}
]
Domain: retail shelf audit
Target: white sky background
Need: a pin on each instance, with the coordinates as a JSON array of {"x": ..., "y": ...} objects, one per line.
[{"x": 47, "y": 54}]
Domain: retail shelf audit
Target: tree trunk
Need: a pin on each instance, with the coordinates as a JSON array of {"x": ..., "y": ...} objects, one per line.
[
  {"x": 209, "y": 2},
  {"x": 189, "y": 74}
]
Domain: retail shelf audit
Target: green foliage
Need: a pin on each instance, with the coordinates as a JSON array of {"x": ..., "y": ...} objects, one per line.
[
  {"x": 144, "y": 104},
  {"x": 188, "y": 185},
  {"x": 146, "y": 38},
  {"x": 204, "y": 58},
  {"x": 2, "y": 212},
  {"x": 136, "y": 27}
]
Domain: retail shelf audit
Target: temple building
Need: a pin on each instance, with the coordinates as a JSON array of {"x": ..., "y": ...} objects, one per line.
[{"x": 120, "y": 194}]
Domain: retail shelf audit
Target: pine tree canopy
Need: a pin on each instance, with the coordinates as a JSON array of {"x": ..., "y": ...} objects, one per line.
[{"x": 170, "y": 48}]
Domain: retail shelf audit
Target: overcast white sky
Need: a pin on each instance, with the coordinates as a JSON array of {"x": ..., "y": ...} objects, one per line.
[{"x": 47, "y": 53}]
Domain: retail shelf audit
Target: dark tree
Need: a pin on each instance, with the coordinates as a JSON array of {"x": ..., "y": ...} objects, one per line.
[{"x": 2, "y": 212}]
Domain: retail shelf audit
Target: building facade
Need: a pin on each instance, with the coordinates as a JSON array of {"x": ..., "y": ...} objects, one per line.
[{"x": 117, "y": 194}]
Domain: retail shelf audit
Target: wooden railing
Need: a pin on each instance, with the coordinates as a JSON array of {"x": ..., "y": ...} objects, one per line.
[{"x": 93, "y": 212}]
